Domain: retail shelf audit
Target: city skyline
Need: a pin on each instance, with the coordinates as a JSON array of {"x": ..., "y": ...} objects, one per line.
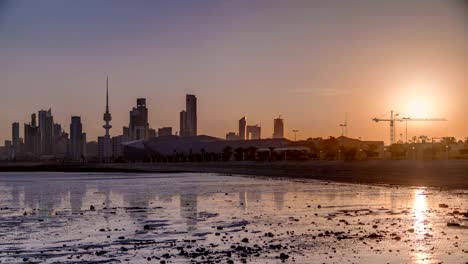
[{"x": 238, "y": 63}]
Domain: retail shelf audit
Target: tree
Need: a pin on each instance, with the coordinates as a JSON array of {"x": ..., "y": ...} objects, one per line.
[
  {"x": 239, "y": 154},
  {"x": 251, "y": 153},
  {"x": 330, "y": 147},
  {"x": 227, "y": 153}
]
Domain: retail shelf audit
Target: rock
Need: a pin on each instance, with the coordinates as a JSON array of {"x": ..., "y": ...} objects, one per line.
[
  {"x": 245, "y": 240},
  {"x": 92, "y": 208},
  {"x": 443, "y": 206},
  {"x": 319, "y": 206},
  {"x": 100, "y": 253},
  {"x": 374, "y": 236},
  {"x": 25, "y": 214},
  {"x": 283, "y": 256},
  {"x": 453, "y": 224}
]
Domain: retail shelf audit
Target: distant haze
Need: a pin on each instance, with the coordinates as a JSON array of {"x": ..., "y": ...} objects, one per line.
[{"x": 309, "y": 61}]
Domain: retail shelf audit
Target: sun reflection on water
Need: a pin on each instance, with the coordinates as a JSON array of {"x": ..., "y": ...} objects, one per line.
[{"x": 421, "y": 227}]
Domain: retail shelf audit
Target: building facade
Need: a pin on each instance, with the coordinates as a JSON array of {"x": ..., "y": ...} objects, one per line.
[
  {"x": 15, "y": 136},
  {"x": 164, "y": 131},
  {"x": 278, "y": 128},
  {"x": 243, "y": 128},
  {"x": 191, "y": 115},
  {"x": 254, "y": 132},
  {"x": 138, "y": 127},
  {"x": 46, "y": 128},
  {"x": 77, "y": 139}
]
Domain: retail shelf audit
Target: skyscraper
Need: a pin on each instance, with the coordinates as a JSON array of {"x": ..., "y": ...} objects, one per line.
[
  {"x": 32, "y": 139},
  {"x": 104, "y": 142},
  {"x": 139, "y": 126},
  {"x": 46, "y": 128},
  {"x": 15, "y": 138},
  {"x": 77, "y": 139},
  {"x": 243, "y": 128},
  {"x": 278, "y": 128},
  {"x": 183, "y": 123},
  {"x": 191, "y": 115}
]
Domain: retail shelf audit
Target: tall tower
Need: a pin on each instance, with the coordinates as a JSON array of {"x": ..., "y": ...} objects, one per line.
[
  {"x": 104, "y": 143},
  {"x": 107, "y": 115},
  {"x": 191, "y": 115},
  {"x": 278, "y": 128},
  {"x": 243, "y": 128}
]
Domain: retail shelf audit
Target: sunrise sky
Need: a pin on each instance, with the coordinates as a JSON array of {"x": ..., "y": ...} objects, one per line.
[{"x": 309, "y": 61}]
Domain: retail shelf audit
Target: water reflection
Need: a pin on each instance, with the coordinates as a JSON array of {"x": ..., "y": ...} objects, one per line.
[{"x": 421, "y": 226}]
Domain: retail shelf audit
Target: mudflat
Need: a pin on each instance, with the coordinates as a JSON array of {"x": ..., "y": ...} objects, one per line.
[
  {"x": 451, "y": 174},
  {"x": 55, "y": 217}
]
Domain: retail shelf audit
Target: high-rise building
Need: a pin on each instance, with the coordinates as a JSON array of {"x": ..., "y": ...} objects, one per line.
[
  {"x": 254, "y": 132},
  {"x": 151, "y": 133},
  {"x": 139, "y": 126},
  {"x": 126, "y": 134},
  {"x": 105, "y": 142},
  {"x": 164, "y": 131},
  {"x": 77, "y": 139},
  {"x": 46, "y": 128},
  {"x": 278, "y": 128},
  {"x": 183, "y": 123},
  {"x": 15, "y": 136},
  {"x": 117, "y": 147},
  {"x": 191, "y": 115},
  {"x": 32, "y": 137},
  {"x": 243, "y": 128}
]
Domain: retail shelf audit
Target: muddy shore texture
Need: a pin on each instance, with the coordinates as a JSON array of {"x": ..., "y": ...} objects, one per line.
[{"x": 440, "y": 174}]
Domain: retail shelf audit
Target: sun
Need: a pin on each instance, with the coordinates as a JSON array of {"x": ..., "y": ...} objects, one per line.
[
  {"x": 420, "y": 97},
  {"x": 419, "y": 107}
]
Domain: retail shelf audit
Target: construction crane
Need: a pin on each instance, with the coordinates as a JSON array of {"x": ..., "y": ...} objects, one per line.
[{"x": 394, "y": 118}]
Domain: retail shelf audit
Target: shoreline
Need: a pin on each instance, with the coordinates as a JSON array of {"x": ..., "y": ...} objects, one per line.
[{"x": 452, "y": 174}]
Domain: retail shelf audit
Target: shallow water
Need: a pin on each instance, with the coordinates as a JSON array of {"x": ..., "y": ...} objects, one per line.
[{"x": 183, "y": 218}]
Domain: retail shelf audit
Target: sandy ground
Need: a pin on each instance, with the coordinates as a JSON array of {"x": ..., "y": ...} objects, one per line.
[{"x": 205, "y": 218}]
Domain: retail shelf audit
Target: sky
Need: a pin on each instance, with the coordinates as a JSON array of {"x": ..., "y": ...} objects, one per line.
[{"x": 312, "y": 62}]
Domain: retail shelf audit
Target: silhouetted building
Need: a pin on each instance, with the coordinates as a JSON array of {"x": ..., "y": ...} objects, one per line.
[
  {"x": 243, "y": 128},
  {"x": 183, "y": 123},
  {"x": 46, "y": 128},
  {"x": 278, "y": 128},
  {"x": 254, "y": 132},
  {"x": 104, "y": 142},
  {"x": 191, "y": 109},
  {"x": 151, "y": 133},
  {"x": 15, "y": 138},
  {"x": 32, "y": 139},
  {"x": 117, "y": 147},
  {"x": 62, "y": 145},
  {"x": 232, "y": 136},
  {"x": 138, "y": 127},
  {"x": 165, "y": 131},
  {"x": 126, "y": 133},
  {"x": 77, "y": 139},
  {"x": 92, "y": 149}
]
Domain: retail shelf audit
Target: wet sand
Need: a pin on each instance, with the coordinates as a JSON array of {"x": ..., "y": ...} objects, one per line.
[
  {"x": 440, "y": 174},
  {"x": 206, "y": 218}
]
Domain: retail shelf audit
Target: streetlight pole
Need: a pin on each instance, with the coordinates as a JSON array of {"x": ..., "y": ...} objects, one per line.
[{"x": 295, "y": 132}]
